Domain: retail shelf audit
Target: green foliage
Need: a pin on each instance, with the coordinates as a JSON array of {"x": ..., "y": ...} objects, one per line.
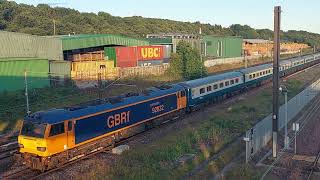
[
  {"x": 38, "y": 20},
  {"x": 176, "y": 65},
  {"x": 186, "y": 62}
]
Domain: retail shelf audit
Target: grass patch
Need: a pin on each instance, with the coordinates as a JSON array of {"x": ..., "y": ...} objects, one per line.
[{"x": 158, "y": 160}]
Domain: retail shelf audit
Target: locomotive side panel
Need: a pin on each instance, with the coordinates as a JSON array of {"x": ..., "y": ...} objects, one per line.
[{"x": 102, "y": 124}]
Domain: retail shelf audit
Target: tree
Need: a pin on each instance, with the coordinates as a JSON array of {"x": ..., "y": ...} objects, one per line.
[
  {"x": 38, "y": 20},
  {"x": 187, "y": 62}
]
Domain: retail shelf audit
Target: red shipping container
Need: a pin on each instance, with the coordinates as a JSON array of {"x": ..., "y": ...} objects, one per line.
[
  {"x": 126, "y": 56},
  {"x": 146, "y": 53}
]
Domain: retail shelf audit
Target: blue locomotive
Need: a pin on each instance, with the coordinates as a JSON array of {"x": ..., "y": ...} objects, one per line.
[{"x": 50, "y": 138}]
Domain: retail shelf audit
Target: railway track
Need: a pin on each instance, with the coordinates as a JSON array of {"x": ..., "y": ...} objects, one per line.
[
  {"x": 8, "y": 149},
  {"x": 28, "y": 173},
  {"x": 314, "y": 166}
]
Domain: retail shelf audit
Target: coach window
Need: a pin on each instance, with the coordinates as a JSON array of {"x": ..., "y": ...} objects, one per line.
[
  {"x": 57, "y": 129},
  {"x": 237, "y": 80},
  {"x": 254, "y": 75},
  {"x": 202, "y": 90},
  {"x": 232, "y": 82},
  {"x": 257, "y": 74},
  {"x": 260, "y": 73},
  {"x": 215, "y": 86},
  {"x": 221, "y": 85},
  {"x": 226, "y": 83},
  {"x": 209, "y": 88}
]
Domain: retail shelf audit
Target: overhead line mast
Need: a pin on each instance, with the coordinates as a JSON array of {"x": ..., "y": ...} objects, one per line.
[{"x": 276, "y": 57}]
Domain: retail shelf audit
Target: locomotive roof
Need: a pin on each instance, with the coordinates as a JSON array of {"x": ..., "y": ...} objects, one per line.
[
  {"x": 58, "y": 115},
  {"x": 211, "y": 79}
]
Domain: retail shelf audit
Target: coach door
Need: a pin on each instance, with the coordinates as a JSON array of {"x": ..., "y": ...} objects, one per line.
[{"x": 70, "y": 134}]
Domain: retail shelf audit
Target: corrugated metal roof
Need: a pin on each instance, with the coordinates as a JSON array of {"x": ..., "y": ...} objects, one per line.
[
  {"x": 25, "y": 45},
  {"x": 93, "y": 40},
  {"x": 160, "y": 40},
  {"x": 225, "y": 37},
  {"x": 212, "y": 79}
]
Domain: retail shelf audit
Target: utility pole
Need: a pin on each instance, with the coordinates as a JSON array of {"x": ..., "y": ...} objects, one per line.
[
  {"x": 200, "y": 32},
  {"x": 26, "y": 91},
  {"x": 245, "y": 59},
  {"x": 276, "y": 57},
  {"x": 99, "y": 85},
  {"x": 54, "y": 27}
]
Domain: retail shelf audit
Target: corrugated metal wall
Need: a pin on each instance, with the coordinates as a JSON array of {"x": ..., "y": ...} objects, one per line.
[
  {"x": 12, "y": 73},
  {"x": 61, "y": 69},
  {"x": 223, "y": 47},
  {"x": 24, "y": 45},
  {"x": 86, "y": 41}
]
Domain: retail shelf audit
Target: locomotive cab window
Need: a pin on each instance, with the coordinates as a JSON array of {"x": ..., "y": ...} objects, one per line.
[
  {"x": 57, "y": 129},
  {"x": 33, "y": 129},
  {"x": 202, "y": 90}
]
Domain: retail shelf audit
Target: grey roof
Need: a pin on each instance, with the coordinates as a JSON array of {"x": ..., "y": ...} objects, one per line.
[
  {"x": 257, "y": 41},
  {"x": 256, "y": 68},
  {"x": 285, "y": 62},
  {"x": 297, "y": 59},
  {"x": 212, "y": 79}
]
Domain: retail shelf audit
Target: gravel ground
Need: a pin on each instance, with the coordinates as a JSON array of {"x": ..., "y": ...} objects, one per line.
[{"x": 308, "y": 144}]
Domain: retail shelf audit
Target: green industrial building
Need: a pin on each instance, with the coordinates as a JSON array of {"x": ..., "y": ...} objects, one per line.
[
  {"x": 222, "y": 46},
  {"x": 211, "y": 46},
  {"x": 12, "y": 72},
  {"x": 43, "y": 57}
]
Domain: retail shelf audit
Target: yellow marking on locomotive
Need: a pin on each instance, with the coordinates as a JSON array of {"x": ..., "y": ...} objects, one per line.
[
  {"x": 57, "y": 144},
  {"x": 31, "y": 145},
  {"x": 181, "y": 101}
]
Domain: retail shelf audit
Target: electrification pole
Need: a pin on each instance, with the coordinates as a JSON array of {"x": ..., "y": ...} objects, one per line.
[
  {"x": 276, "y": 57},
  {"x": 26, "y": 91},
  {"x": 54, "y": 27},
  {"x": 200, "y": 33}
]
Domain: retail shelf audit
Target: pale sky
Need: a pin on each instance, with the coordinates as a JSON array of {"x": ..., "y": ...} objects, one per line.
[{"x": 297, "y": 14}]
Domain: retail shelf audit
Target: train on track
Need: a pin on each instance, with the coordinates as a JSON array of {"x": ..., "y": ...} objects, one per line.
[{"x": 50, "y": 138}]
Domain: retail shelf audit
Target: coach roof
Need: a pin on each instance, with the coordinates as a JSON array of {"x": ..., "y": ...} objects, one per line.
[{"x": 211, "y": 79}]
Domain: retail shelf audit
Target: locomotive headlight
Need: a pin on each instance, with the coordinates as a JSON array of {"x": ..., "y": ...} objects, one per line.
[
  {"x": 21, "y": 145},
  {"x": 42, "y": 149}
]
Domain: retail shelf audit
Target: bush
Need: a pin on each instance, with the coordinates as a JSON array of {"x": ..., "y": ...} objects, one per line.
[{"x": 187, "y": 62}]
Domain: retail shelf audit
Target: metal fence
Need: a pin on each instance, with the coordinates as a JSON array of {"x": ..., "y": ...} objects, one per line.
[{"x": 261, "y": 133}]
